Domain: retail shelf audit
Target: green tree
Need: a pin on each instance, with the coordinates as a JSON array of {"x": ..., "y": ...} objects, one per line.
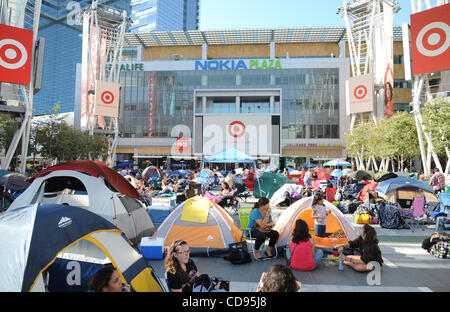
[
  {"x": 357, "y": 142},
  {"x": 436, "y": 119}
]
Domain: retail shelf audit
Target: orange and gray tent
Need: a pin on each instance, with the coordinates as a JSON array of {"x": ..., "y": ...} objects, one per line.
[
  {"x": 301, "y": 209},
  {"x": 203, "y": 224}
]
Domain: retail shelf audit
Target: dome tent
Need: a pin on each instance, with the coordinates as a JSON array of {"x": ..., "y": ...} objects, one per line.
[
  {"x": 269, "y": 183},
  {"x": 403, "y": 191},
  {"x": 70, "y": 187},
  {"x": 203, "y": 224},
  {"x": 95, "y": 169},
  {"x": 38, "y": 241},
  {"x": 302, "y": 210}
]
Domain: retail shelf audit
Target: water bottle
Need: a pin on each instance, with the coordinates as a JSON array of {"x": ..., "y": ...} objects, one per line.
[{"x": 341, "y": 263}]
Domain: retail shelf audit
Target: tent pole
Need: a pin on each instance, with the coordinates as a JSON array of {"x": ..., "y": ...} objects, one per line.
[{"x": 257, "y": 180}]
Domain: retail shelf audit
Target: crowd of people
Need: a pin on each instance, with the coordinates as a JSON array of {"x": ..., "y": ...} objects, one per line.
[
  {"x": 182, "y": 273},
  {"x": 302, "y": 252}
]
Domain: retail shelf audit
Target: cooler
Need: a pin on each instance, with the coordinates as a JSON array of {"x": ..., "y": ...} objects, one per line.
[
  {"x": 152, "y": 248},
  {"x": 164, "y": 201}
]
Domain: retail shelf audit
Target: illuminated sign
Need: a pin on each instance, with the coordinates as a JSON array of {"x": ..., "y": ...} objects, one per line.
[{"x": 238, "y": 64}]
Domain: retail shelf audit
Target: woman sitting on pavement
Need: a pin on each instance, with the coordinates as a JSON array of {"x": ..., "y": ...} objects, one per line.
[
  {"x": 305, "y": 256},
  {"x": 260, "y": 222},
  {"x": 180, "y": 268},
  {"x": 367, "y": 243},
  {"x": 279, "y": 278}
]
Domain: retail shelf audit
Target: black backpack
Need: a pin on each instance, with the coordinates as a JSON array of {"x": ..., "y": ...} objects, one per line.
[{"x": 238, "y": 253}]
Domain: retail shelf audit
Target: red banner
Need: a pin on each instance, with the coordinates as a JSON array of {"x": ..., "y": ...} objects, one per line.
[
  {"x": 16, "y": 51},
  {"x": 430, "y": 40}
]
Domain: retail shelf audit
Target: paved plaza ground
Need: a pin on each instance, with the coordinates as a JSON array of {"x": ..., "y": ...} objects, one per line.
[{"x": 407, "y": 267}]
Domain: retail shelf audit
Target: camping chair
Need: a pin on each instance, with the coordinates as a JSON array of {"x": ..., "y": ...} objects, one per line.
[
  {"x": 244, "y": 214},
  {"x": 241, "y": 192},
  {"x": 230, "y": 202},
  {"x": 414, "y": 214}
]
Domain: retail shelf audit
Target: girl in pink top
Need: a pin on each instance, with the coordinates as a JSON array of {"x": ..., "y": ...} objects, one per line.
[{"x": 304, "y": 255}]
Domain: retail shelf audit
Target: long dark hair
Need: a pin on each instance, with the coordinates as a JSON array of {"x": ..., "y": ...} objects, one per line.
[
  {"x": 301, "y": 232},
  {"x": 226, "y": 185},
  {"x": 261, "y": 202},
  {"x": 370, "y": 235},
  {"x": 101, "y": 278},
  {"x": 171, "y": 263},
  {"x": 386, "y": 99},
  {"x": 317, "y": 198}
]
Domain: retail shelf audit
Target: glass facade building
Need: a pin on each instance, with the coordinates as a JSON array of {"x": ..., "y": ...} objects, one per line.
[
  {"x": 167, "y": 15},
  {"x": 309, "y": 99}
]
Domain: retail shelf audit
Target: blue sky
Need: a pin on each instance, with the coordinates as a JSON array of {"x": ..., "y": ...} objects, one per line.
[{"x": 237, "y": 14}]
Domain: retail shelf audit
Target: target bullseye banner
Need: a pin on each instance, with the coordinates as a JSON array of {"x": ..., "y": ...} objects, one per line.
[
  {"x": 16, "y": 49},
  {"x": 430, "y": 40},
  {"x": 107, "y": 98},
  {"x": 360, "y": 94}
]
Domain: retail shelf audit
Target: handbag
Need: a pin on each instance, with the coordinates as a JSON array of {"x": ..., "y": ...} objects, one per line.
[
  {"x": 288, "y": 260},
  {"x": 238, "y": 253}
]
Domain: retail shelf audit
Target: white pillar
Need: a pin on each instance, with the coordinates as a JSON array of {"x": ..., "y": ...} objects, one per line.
[
  {"x": 272, "y": 50},
  {"x": 203, "y": 104},
  {"x": 272, "y": 102},
  {"x": 204, "y": 52}
]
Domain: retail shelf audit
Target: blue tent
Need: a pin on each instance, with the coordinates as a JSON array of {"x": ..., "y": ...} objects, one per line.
[
  {"x": 444, "y": 206},
  {"x": 3, "y": 172},
  {"x": 178, "y": 173},
  {"x": 34, "y": 239},
  {"x": 230, "y": 155},
  {"x": 124, "y": 164},
  {"x": 179, "y": 165},
  {"x": 337, "y": 162},
  {"x": 402, "y": 183},
  {"x": 308, "y": 165}
]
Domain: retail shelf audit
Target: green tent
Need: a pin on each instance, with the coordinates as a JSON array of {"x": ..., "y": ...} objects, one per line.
[{"x": 269, "y": 183}]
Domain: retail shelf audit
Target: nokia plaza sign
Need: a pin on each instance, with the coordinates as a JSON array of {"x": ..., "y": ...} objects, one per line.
[{"x": 238, "y": 64}]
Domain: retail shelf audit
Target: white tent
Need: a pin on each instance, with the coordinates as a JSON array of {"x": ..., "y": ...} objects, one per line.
[
  {"x": 280, "y": 195},
  {"x": 81, "y": 190}
]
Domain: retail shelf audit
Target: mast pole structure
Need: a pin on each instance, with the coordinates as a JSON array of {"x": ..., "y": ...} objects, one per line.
[
  {"x": 364, "y": 22},
  {"x": 27, "y": 91},
  {"x": 105, "y": 31},
  {"x": 421, "y": 82}
]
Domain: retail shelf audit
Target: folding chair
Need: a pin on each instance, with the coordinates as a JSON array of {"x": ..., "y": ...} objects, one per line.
[
  {"x": 414, "y": 214},
  {"x": 244, "y": 214}
]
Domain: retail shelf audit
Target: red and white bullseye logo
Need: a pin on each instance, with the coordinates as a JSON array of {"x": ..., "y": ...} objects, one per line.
[
  {"x": 13, "y": 54},
  {"x": 107, "y": 97},
  {"x": 360, "y": 92},
  {"x": 433, "y": 39},
  {"x": 236, "y": 129}
]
